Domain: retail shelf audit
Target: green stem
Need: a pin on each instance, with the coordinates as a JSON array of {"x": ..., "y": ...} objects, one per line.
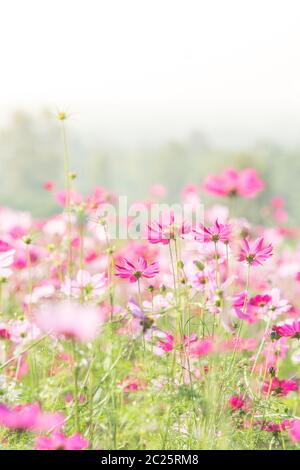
[
  {"x": 76, "y": 397},
  {"x": 67, "y": 186},
  {"x": 173, "y": 271}
]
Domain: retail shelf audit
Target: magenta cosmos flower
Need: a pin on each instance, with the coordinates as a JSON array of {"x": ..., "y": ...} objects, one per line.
[
  {"x": 216, "y": 233},
  {"x": 163, "y": 232},
  {"x": 29, "y": 417},
  {"x": 236, "y": 402},
  {"x": 279, "y": 387},
  {"x": 288, "y": 330},
  {"x": 69, "y": 320},
  {"x": 295, "y": 430},
  {"x": 244, "y": 183},
  {"x": 136, "y": 270},
  {"x": 58, "y": 441},
  {"x": 254, "y": 253}
]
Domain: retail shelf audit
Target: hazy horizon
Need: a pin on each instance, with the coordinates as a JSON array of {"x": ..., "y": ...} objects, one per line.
[{"x": 139, "y": 72}]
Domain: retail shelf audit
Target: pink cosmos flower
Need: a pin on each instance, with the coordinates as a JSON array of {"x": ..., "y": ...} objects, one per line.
[
  {"x": 260, "y": 303},
  {"x": 98, "y": 198},
  {"x": 163, "y": 232},
  {"x": 270, "y": 426},
  {"x": 4, "y": 246},
  {"x": 239, "y": 344},
  {"x": 4, "y": 331},
  {"x": 216, "y": 233},
  {"x": 295, "y": 430},
  {"x": 40, "y": 292},
  {"x": 243, "y": 309},
  {"x": 61, "y": 197},
  {"x": 69, "y": 320},
  {"x": 201, "y": 347},
  {"x": 245, "y": 183},
  {"x": 254, "y": 253},
  {"x": 132, "y": 385},
  {"x": 277, "y": 305},
  {"x": 279, "y": 387},
  {"x": 136, "y": 270},
  {"x": 158, "y": 190},
  {"x": 158, "y": 303},
  {"x": 168, "y": 342},
  {"x": 6, "y": 260},
  {"x": 48, "y": 185},
  {"x": 29, "y": 417},
  {"x": 199, "y": 280},
  {"x": 190, "y": 195},
  {"x": 280, "y": 214},
  {"x": 58, "y": 441},
  {"x": 92, "y": 286},
  {"x": 236, "y": 402},
  {"x": 289, "y": 329},
  {"x": 23, "y": 331}
]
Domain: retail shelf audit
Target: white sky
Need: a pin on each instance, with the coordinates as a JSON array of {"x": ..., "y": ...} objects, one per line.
[{"x": 143, "y": 69}]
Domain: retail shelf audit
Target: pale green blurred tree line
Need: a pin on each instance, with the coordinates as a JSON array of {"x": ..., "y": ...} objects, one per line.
[{"x": 31, "y": 153}]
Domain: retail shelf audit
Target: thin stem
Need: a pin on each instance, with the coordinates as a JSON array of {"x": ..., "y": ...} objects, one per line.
[
  {"x": 242, "y": 321},
  {"x": 217, "y": 266},
  {"x": 68, "y": 197},
  {"x": 173, "y": 270},
  {"x": 261, "y": 345},
  {"x": 76, "y": 397},
  {"x": 14, "y": 358}
]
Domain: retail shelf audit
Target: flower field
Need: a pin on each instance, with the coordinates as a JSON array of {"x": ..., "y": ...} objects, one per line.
[{"x": 182, "y": 334}]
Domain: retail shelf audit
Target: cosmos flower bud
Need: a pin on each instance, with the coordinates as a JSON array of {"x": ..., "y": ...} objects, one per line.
[
  {"x": 72, "y": 175},
  {"x": 27, "y": 240},
  {"x": 61, "y": 116},
  {"x": 272, "y": 372},
  {"x": 199, "y": 265}
]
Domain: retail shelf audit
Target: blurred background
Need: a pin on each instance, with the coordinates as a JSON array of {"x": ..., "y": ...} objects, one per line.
[{"x": 155, "y": 92}]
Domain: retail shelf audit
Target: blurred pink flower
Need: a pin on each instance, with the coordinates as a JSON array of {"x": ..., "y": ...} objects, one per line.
[
  {"x": 29, "y": 417},
  {"x": 4, "y": 246},
  {"x": 201, "y": 347},
  {"x": 158, "y": 190},
  {"x": 23, "y": 331},
  {"x": 254, "y": 253},
  {"x": 190, "y": 195},
  {"x": 61, "y": 197},
  {"x": 280, "y": 214},
  {"x": 85, "y": 283},
  {"x": 279, "y": 387},
  {"x": 48, "y": 185},
  {"x": 270, "y": 426},
  {"x": 243, "y": 309},
  {"x": 98, "y": 198},
  {"x": 136, "y": 270},
  {"x": 132, "y": 385},
  {"x": 70, "y": 320},
  {"x": 164, "y": 231},
  {"x": 289, "y": 329},
  {"x": 236, "y": 402},
  {"x": 168, "y": 342},
  {"x": 295, "y": 430},
  {"x": 245, "y": 183},
  {"x": 277, "y": 305},
  {"x": 4, "y": 331},
  {"x": 199, "y": 280},
  {"x": 216, "y": 233},
  {"x": 40, "y": 292},
  {"x": 6, "y": 260},
  {"x": 58, "y": 441}
]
